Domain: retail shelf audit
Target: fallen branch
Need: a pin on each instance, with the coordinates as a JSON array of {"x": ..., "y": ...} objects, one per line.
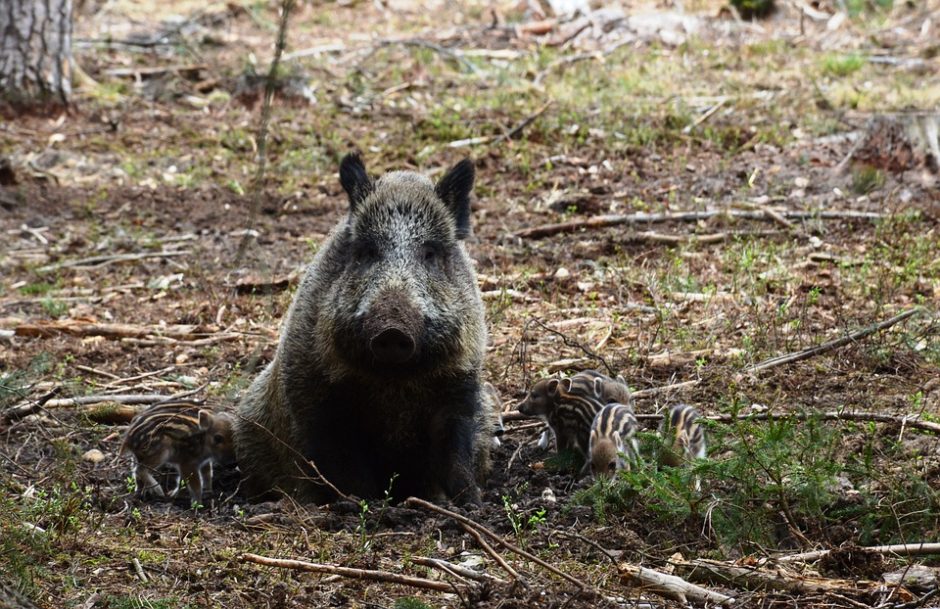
[
  {"x": 157, "y": 341},
  {"x": 779, "y": 579},
  {"x": 99, "y": 261},
  {"x": 665, "y": 388},
  {"x": 22, "y": 410},
  {"x": 654, "y": 237},
  {"x": 138, "y": 377},
  {"x": 670, "y": 586},
  {"x": 18, "y": 412},
  {"x": 877, "y": 417},
  {"x": 365, "y": 574},
  {"x": 900, "y": 549},
  {"x": 83, "y": 328},
  {"x": 414, "y": 501},
  {"x": 460, "y": 570},
  {"x": 597, "y": 222},
  {"x": 493, "y": 553},
  {"x": 144, "y": 71},
  {"x": 832, "y": 344}
]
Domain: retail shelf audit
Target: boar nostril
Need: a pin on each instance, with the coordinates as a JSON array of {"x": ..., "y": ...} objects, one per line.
[{"x": 392, "y": 346}]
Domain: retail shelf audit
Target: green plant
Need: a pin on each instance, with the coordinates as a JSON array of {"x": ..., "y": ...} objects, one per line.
[
  {"x": 865, "y": 179},
  {"x": 840, "y": 66},
  {"x": 54, "y": 308},
  {"x": 410, "y": 602},
  {"x": 773, "y": 478},
  {"x": 520, "y": 523},
  {"x": 362, "y": 529}
]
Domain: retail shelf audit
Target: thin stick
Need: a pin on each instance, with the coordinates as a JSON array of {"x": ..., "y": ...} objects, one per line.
[
  {"x": 366, "y": 574},
  {"x": 414, "y": 501},
  {"x": 832, "y": 344},
  {"x": 493, "y": 553},
  {"x": 596, "y": 222},
  {"x": 100, "y": 261},
  {"x": 261, "y": 158},
  {"x": 73, "y": 327},
  {"x": 96, "y": 371},
  {"x": 665, "y": 388},
  {"x": 705, "y": 116},
  {"x": 493, "y": 139},
  {"x": 901, "y": 549},
  {"x": 457, "y": 569},
  {"x": 141, "y": 376},
  {"x": 17, "y": 412},
  {"x": 447, "y": 568},
  {"x": 877, "y": 417},
  {"x": 525, "y": 122}
]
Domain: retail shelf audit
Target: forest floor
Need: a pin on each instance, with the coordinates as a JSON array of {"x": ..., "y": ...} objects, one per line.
[{"x": 140, "y": 256}]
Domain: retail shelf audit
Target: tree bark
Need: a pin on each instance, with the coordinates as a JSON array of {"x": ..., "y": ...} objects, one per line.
[{"x": 35, "y": 52}]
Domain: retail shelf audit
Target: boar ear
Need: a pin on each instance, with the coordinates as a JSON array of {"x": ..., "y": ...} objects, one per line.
[
  {"x": 356, "y": 182},
  {"x": 205, "y": 420},
  {"x": 454, "y": 190}
]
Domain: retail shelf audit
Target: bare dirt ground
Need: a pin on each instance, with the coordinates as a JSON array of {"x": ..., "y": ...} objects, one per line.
[{"x": 138, "y": 209}]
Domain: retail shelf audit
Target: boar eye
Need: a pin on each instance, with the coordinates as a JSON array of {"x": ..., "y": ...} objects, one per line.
[
  {"x": 218, "y": 438},
  {"x": 431, "y": 254},
  {"x": 367, "y": 253}
]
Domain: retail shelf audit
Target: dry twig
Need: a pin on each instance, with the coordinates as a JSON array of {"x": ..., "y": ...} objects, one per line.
[
  {"x": 365, "y": 574},
  {"x": 900, "y": 549},
  {"x": 95, "y": 262},
  {"x": 457, "y": 569},
  {"x": 486, "y": 547},
  {"x": 414, "y": 501},
  {"x": 751, "y": 578},
  {"x": 832, "y": 344},
  {"x": 597, "y": 222}
]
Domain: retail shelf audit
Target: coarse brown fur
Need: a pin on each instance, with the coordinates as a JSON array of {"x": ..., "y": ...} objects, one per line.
[{"x": 376, "y": 378}]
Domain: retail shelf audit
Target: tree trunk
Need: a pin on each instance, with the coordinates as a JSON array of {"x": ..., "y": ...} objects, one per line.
[{"x": 35, "y": 52}]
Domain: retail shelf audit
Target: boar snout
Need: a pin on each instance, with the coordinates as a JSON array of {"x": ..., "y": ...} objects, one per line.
[
  {"x": 392, "y": 346},
  {"x": 393, "y": 327}
]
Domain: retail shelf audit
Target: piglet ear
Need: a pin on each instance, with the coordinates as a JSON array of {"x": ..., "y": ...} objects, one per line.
[
  {"x": 598, "y": 388},
  {"x": 355, "y": 180},
  {"x": 553, "y": 387},
  {"x": 205, "y": 420},
  {"x": 454, "y": 190}
]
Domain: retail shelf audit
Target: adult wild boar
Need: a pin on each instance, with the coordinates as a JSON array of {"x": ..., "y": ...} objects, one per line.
[{"x": 376, "y": 378}]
